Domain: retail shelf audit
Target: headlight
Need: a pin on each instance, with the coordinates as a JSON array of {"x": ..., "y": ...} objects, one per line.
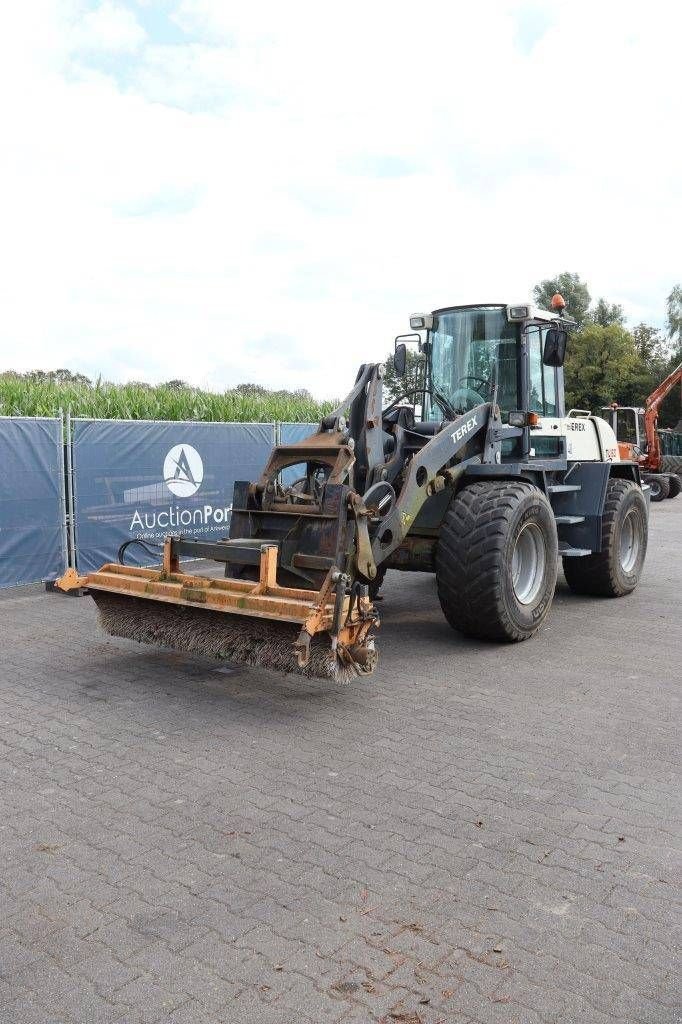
[{"x": 421, "y": 323}]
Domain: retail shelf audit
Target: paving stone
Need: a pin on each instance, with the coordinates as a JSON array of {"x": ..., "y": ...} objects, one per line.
[{"x": 193, "y": 847}]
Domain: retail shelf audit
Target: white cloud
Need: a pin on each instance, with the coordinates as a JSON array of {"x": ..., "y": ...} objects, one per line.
[
  {"x": 269, "y": 196},
  {"x": 108, "y": 28}
]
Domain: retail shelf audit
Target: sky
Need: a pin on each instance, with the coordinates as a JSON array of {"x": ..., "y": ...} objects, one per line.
[{"x": 230, "y": 192}]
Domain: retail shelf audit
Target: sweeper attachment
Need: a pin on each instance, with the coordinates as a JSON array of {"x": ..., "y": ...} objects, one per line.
[{"x": 475, "y": 474}]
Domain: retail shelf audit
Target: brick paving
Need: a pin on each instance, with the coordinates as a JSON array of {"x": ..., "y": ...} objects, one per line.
[{"x": 481, "y": 834}]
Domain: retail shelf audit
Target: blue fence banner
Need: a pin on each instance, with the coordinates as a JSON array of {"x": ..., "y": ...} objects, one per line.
[
  {"x": 135, "y": 479},
  {"x": 32, "y": 506},
  {"x": 291, "y": 433}
]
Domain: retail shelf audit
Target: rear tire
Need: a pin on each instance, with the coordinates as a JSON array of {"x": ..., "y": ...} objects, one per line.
[
  {"x": 674, "y": 485},
  {"x": 660, "y": 488},
  {"x": 615, "y": 570},
  {"x": 496, "y": 561}
]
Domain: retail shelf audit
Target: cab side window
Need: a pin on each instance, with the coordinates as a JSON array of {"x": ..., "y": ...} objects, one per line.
[
  {"x": 535, "y": 371},
  {"x": 627, "y": 426},
  {"x": 542, "y": 390}
]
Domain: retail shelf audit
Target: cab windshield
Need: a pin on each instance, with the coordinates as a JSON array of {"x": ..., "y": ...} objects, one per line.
[{"x": 465, "y": 344}]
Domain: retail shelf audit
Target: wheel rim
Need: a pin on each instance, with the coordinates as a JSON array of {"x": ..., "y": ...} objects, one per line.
[
  {"x": 629, "y": 542},
  {"x": 528, "y": 563},
  {"x": 655, "y": 488}
]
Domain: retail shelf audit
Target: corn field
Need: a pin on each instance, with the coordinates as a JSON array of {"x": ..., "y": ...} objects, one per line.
[{"x": 21, "y": 396}]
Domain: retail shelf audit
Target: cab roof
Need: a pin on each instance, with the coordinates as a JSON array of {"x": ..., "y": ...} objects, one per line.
[{"x": 534, "y": 312}]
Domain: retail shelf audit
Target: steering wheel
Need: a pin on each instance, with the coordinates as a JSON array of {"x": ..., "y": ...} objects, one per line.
[
  {"x": 466, "y": 398},
  {"x": 299, "y": 492},
  {"x": 478, "y": 382}
]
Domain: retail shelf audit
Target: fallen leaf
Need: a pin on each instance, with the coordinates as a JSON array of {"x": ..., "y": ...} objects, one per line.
[
  {"x": 46, "y": 847},
  {"x": 346, "y": 987},
  {"x": 279, "y": 967}
]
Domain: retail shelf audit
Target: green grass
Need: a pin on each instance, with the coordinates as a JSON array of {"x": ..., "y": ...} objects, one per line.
[{"x": 21, "y": 396}]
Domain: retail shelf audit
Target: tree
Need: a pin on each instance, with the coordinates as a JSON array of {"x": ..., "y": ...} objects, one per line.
[
  {"x": 602, "y": 366},
  {"x": 674, "y": 310},
  {"x": 574, "y": 291},
  {"x": 69, "y": 377},
  {"x": 606, "y": 313},
  {"x": 395, "y": 386},
  {"x": 175, "y": 384}
]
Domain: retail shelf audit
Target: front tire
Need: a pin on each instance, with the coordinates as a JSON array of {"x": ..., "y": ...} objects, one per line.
[
  {"x": 674, "y": 485},
  {"x": 615, "y": 570},
  {"x": 496, "y": 561},
  {"x": 660, "y": 488}
]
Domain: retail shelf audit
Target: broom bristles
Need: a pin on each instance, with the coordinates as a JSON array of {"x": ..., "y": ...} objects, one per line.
[{"x": 262, "y": 643}]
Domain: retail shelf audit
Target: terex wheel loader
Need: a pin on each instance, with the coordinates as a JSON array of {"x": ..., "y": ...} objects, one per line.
[{"x": 478, "y": 476}]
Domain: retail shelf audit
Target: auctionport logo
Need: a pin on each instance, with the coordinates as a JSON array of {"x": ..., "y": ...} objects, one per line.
[
  {"x": 183, "y": 475},
  {"x": 183, "y": 470}
]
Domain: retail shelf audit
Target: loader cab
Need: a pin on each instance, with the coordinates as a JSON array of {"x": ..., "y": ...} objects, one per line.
[
  {"x": 627, "y": 424},
  {"x": 467, "y": 348}
]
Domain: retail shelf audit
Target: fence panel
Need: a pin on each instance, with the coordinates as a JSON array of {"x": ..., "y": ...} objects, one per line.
[
  {"x": 140, "y": 479},
  {"x": 32, "y": 508},
  {"x": 291, "y": 433}
]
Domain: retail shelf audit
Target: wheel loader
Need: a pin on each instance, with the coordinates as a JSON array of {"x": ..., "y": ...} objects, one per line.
[{"x": 475, "y": 474}]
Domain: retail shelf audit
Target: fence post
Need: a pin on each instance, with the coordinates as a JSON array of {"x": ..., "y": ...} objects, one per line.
[
  {"x": 69, "y": 476},
  {"x": 62, "y": 492}
]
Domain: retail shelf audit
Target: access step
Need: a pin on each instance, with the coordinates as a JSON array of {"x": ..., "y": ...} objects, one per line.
[
  {"x": 562, "y": 488},
  {"x": 568, "y": 520},
  {"x": 566, "y": 551}
]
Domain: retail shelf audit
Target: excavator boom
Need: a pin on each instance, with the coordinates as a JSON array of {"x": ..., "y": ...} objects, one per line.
[{"x": 652, "y": 459}]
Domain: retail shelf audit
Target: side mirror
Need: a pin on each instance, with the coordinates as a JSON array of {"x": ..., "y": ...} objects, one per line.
[
  {"x": 554, "y": 351},
  {"x": 400, "y": 359}
]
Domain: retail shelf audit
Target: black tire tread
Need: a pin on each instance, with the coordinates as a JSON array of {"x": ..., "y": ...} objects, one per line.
[
  {"x": 674, "y": 485},
  {"x": 473, "y": 534},
  {"x": 593, "y": 574},
  {"x": 664, "y": 485}
]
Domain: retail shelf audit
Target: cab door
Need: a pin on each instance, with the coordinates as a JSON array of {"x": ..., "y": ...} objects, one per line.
[{"x": 543, "y": 399}]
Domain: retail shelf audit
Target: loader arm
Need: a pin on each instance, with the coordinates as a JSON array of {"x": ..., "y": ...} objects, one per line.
[{"x": 428, "y": 473}]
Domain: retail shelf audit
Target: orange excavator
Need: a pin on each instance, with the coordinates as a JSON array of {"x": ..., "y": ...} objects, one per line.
[{"x": 640, "y": 440}]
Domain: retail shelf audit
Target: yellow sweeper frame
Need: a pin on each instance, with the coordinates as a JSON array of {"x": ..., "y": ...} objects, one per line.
[{"x": 347, "y": 619}]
